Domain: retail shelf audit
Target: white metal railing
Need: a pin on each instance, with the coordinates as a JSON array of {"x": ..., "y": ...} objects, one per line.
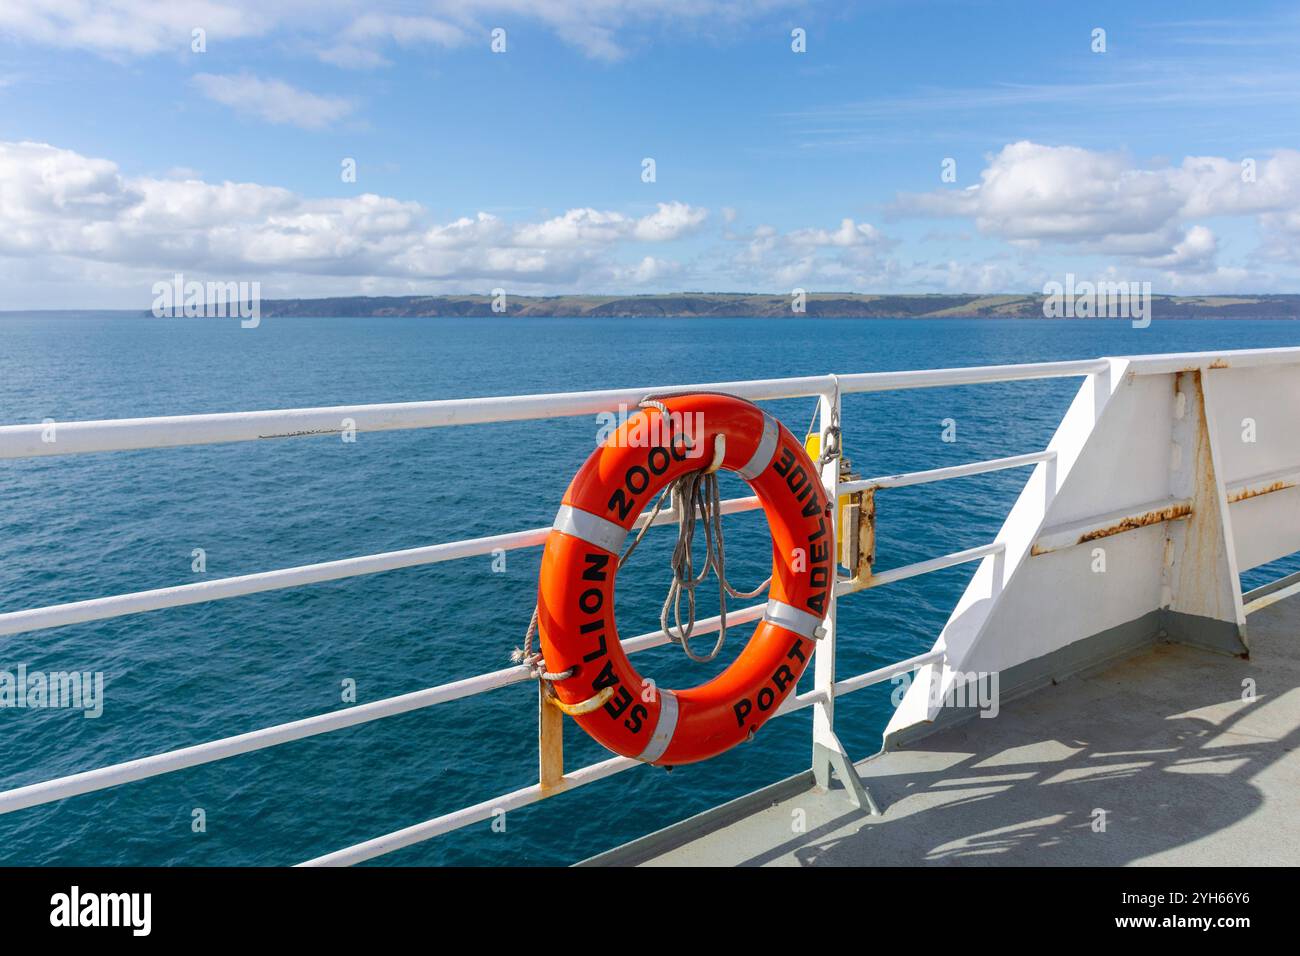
[
  {"x": 24, "y": 441},
  {"x": 943, "y": 474}
]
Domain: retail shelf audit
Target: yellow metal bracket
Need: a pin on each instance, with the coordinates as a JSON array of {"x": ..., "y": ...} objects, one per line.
[{"x": 584, "y": 706}]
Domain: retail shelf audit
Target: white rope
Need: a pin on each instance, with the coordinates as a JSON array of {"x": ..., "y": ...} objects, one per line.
[
  {"x": 693, "y": 494},
  {"x": 535, "y": 663}
]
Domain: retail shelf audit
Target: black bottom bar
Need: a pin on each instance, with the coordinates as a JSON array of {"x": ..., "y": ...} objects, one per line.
[{"x": 207, "y": 906}]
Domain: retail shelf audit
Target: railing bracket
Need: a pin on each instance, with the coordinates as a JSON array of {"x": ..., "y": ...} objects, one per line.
[{"x": 833, "y": 757}]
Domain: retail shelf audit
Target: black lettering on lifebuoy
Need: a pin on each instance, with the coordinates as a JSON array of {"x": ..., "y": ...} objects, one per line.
[
  {"x": 766, "y": 696},
  {"x": 811, "y": 508},
  {"x": 622, "y": 503},
  {"x": 783, "y": 464},
  {"x": 643, "y": 477},
  {"x": 663, "y": 456},
  {"x": 596, "y": 563},
  {"x": 591, "y": 600},
  {"x": 783, "y": 678},
  {"x": 796, "y": 650},
  {"x": 606, "y": 677},
  {"x": 600, "y": 647},
  {"x": 636, "y": 720},
  {"x": 742, "y": 708},
  {"x": 618, "y": 703}
]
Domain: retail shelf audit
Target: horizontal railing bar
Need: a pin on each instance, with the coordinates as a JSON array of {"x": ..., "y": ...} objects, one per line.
[
  {"x": 799, "y": 702},
  {"x": 479, "y": 812},
  {"x": 1261, "y": 597},
  {"x": 138, "y": 602},
  {"x": 971, "y": 375},
  {"x": 61, "y": 788},
  {"x": 708, "y": 625},
  {"x": 882, "y": 674},
  {"x": 1212, "y": 361},
  {"x": 943, "y": 474},
  {"x": 71, "y": 438},
  {"x": 920, "y": 567},
  {"x": 98, "y": 609},
  {"x": 729, "y": 506}
]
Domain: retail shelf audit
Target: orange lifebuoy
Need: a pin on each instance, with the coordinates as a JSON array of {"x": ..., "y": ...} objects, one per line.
[{"x": 604, "y": 692}]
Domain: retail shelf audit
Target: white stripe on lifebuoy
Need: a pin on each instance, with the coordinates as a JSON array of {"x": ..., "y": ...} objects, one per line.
[{"x": 591, "y": 528}]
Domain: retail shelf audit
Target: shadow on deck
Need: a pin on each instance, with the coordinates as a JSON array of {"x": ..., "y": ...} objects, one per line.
[{"x": 1185, "y": 770}]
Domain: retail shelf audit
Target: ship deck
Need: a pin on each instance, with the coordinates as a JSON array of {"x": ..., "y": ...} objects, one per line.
[{"x": 1187, "y": 772}]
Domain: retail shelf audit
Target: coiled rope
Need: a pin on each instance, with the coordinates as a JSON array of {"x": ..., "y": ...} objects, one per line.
[{"x": 694, "y": 494}]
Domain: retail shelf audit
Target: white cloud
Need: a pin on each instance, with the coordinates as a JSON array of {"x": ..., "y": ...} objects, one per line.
[
  {"x": 273, "y": 100},
  {"x": 1103, "y": 203},
  {"x": 59, "y": 209},
  {"x": 73, "y": 222},
  {"x": 648, "y": 271},
  {"x": 576, "y": 227},
  {"x": 848, "y": 234},
  {"x": 350, "y": 32},
  {"x": 121, "y": 28},
  {"x": 359, "y": 43},
  {"x": 1194, "y": 253},
  {"x": 598, "y": 27},
  {"x": 852, "y": 258},
  {"x": 672, "y": 221}
]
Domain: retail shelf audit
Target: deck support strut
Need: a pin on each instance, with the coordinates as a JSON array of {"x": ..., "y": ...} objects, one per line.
[{"x": 832, "y": 756}]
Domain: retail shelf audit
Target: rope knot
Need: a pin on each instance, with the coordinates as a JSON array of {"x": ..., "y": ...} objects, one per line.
[{"x": 534, "y": 662}]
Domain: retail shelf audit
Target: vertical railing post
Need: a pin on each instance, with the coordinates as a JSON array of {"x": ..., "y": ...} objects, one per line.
[
  {"x": 827, "y": 752},
  {"x": 550, "y": 740},
  {"x": 823, "y": 730}
]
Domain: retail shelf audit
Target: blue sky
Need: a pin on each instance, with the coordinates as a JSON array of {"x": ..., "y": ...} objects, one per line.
[{"x": 125, "y": 156}]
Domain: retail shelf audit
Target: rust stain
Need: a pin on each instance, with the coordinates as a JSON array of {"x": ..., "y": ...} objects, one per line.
[
  {"x": 1219, "y": 363},
  {"x": 1172, "y": 513},
  {"x": 1245, "y": 493},
  {"x": 866, "y": 533}
]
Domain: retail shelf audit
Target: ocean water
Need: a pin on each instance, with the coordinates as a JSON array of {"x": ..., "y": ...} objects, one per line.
[{"x": 85, "y": 526}]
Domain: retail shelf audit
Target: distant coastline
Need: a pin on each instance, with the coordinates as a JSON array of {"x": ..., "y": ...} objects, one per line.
[
  {"x": 830, "y": 305},
  {"x": 687, "y": 305}
]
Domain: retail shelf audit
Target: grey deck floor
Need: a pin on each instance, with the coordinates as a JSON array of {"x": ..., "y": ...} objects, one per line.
[{"x": 1187, "y": 771}]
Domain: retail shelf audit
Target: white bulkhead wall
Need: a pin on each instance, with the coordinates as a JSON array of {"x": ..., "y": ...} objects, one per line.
[{"x": 1154, "y": 481}]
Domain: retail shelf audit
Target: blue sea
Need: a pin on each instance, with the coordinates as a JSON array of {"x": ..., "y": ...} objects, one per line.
[{"x": 79, "y": 527}]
